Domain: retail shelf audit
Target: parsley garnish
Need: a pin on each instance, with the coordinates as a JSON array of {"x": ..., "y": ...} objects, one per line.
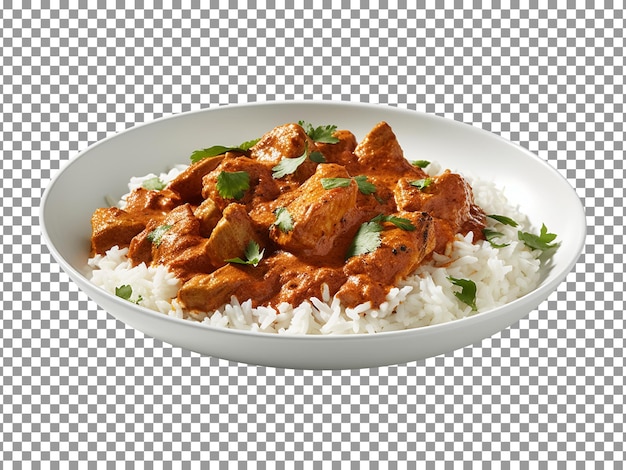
[
  {"x": 283, "y": 219},
  {"x": 367, "y": 238},
  {"x": 421, "y": 184},
  {"x": 332, "y": 183},
  {"x": 220, "y": 150},
  {"x": 538, "y": 242},
  {"x": 125, "y": 292},
  {"x": 317, "y": 157},
  {"x": 467, "y": 295},
  {"x": 233, "y": 184},
  {"x": 503, "y": 220},
  {"x": 490, "y": 235},
  {"x": 252, "y": 255},
  {"x": 153, "y": 184},
  {"x": 421, "y": 163},
  {"x": 156, "y": 235},
  {"x": 400, "y": 222},
  {"x": 322, "y": 134},
  {"x": 288, "y": 166},
  {"x": 365, "y": 187}
]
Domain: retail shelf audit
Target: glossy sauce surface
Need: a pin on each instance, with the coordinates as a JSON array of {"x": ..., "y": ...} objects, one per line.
[{"x": 193, "y": 228}]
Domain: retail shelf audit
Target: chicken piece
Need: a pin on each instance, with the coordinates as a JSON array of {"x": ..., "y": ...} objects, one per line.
[
  {"x": 262, "y": 186},
  {"x": 231, "y": 235},
  {"x": 318, "y": 214},
  {"x": 208, "y": 215},
  {"x": 380, "y": 154},
  {"x": 299, "y": 280},
  {"x": 286, "y": 141},
  {"x": 142, "y": 200},
  {"x": 399, "y": 254},
  {"x": 341, "y": 152},
  {"x": 177, "y": 243},
  {"x": 140, "y": 248},
  {"x": 113, "y": 226},
  {"x": 188, "y": 184},
  {"x": 449, "y": 199},
  {"x": 208, "y": 292}
]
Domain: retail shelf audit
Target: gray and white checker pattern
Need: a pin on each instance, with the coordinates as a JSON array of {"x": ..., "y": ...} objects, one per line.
[{"x": 78, "y": 386}]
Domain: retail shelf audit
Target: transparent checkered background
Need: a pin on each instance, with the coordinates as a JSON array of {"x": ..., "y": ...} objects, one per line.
[{"x": 78, "y": 386}]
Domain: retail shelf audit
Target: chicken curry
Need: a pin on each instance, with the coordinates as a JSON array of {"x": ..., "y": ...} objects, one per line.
[{"x": 299, "y": 211}]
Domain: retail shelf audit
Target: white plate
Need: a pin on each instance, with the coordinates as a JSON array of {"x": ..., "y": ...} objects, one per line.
[{"x": 105, "y": 168}]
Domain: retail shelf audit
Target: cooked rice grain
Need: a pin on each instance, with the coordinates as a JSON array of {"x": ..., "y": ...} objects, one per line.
[{"x": 426, "y": 298}]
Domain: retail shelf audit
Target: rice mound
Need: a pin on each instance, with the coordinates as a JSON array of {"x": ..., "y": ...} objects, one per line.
[{"x": 426, "y": 298}]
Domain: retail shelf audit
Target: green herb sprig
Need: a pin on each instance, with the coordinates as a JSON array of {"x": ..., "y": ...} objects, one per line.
[
  {"x": 233, "y": 184},
  {"x": 322, "y": 134},
  {"x": 467, "y": 295},
  {"x": 367, "y": 238},
  {"x": 156, "y": 235},
  {"x": 216, "y": 150},
  {"x": 253, "y": 255},
  {"x": 284, "y": 221},
  {"x": 125, "y": 292}
]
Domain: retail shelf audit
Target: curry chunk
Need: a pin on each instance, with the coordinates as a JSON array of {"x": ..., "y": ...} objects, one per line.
[
  {"x": 318, "y": 214},
  {"x": 112, "y": 226},
  {"x": 151, "y": 201},
  {"x": 261, "y": 185},
  {"x": 188, "y": 185},
  {"x": 449, "y": 198},
  {"x": 286, "y": 141},
  {"x": 231, "y": 235},
  {"x": 208, "y": 214},
  {"x": 177, "y": 243},
  {"x": 380, "y": 154},
  {"x": 208, "y": 292},
  {"x": 341, "y": 152},
  {"x": 400, "y": 253}
]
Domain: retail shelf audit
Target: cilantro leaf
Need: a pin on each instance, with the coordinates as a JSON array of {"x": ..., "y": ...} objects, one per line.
[
  {"x": 247, "y": 145},
  {"x": 366, "y": 240},
  {"x": 421, "y": 163},
  {"x": 490, "y": 235},
  {"x": 422, "y": 183},
  {"x": 503, "y": 220},
  {"x": 332, "y": 183},
  {"x": 400, "y": 222},
  {"x": 288, "y": 166},
  {"x": 210, "y": 152},
  {"x": 125, "y": 292},
  {"x": 252, "y": 255},
  {"x": 467, "y": 295},
  {"x": 322, "y": 134},
  {"x": 233, "y": 184},
  {"x": 220, "y": 150},
  {"x": 317, "y": 157},
  {"x": 283, "y": 220},
  {"x": 538, "y": 242},
  {"x": 365, "y": 187},
  {"x": 153, "y": 184},
  {"x": 156, "y": 235}
]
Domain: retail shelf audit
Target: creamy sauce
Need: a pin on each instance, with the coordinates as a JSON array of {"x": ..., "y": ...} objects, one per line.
[{"x": 193, "y": 227}]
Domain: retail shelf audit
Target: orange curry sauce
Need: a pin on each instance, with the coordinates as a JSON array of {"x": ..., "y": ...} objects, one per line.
[{"x": 190, "y": 227}]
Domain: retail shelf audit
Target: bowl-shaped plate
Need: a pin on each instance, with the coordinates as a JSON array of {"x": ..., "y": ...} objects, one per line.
[{"x": 105, "y": 168}]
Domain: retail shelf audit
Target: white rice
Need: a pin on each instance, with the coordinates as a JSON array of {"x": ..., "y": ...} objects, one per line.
[{"x": 426, "y": 298}]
